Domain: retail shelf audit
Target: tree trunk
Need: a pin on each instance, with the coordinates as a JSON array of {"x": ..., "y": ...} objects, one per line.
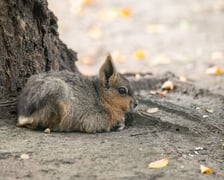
[{"x": 29, "y": 44}]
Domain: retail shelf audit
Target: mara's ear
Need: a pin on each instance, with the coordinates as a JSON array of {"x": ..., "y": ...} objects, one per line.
[{"x": 107, "y": 71}]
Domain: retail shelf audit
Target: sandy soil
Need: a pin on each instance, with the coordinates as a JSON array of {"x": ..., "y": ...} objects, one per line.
[{"x": 188, "y": 127}]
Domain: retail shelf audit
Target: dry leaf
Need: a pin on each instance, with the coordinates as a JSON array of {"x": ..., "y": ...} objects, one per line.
[
  {"x": 205, "y": 170},
  {"x": 209, "y": 110},
  {"x": 125, "y": 12},
  {"x": 139, "y": 54},
  {"x": 156, "y": 28},
  {"x": 161, "y": 59},
  {"x": 86, "y": 2},
  {"x": 95, "y": 32},
  {"x": 215, "y": 70},
  {"x": 159, "y": 164},
  {"x": 152, "y": 110},
  {"x": 47, "y": 130},
  {"x": 183, "y": 79},
  {"x": 24, "y": 156},
  {"x": 168, "y": 85}
]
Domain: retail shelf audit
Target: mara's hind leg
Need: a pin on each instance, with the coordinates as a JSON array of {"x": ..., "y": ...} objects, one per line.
[
  {"x": 41, "y": 119},
  {"x": 24, "y": 121},
  {"x": 65, "y": 114}
]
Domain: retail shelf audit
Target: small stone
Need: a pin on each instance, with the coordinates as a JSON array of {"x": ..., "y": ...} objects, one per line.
[
  {"x": 152, "y": 110},
  {"x": 205, "y": 116},
  {"x": 24, "y": 156},
  {"x": 198, "y": 148}
]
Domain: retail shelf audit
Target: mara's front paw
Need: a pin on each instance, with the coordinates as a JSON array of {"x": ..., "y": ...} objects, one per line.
[{"x": 120, "y": 127}]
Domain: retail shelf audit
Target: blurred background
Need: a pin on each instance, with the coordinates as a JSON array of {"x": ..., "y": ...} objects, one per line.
[{"x": 185, "y": 37}]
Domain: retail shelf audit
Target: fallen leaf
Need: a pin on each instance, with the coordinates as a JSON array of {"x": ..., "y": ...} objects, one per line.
[
  {"x": 215, "y": 70},
  {"x": 47, "y": 130},
  {"x": 168, "y": 85},
  {"x": 24, "y": 156},
  {"x": 152, "y": 110},
  {"x": 209, "y": 110},
  {"x": 86, "y": 2},
  {"x": 205, "y": 170},
  {"x": 125, "y": 12},
  {"x": 139, "y": 54},
  {"x": 156, "y": 28},
  {"x": 161, "y": 59},
  {"x": 159, "y": 164},
  {"x": 183, "y": 79},
  {"x": 95, "y": 32}
]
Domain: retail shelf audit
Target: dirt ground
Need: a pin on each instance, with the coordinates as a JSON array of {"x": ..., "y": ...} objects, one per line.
[{"x": 185, "y": 38}]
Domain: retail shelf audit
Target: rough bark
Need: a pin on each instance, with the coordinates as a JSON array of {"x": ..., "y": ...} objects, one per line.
[{"x": 29, "y": 44}]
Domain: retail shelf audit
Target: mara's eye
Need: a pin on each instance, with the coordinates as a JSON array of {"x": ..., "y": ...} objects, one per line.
[{"x": 122, "y": 90}]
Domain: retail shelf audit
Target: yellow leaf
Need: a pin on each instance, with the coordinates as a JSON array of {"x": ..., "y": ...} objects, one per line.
[
  {"x": 168, "y": 85},
  {"x": 205, "y": 170},
  {"x": 215, "y": 70},
  {"x": 159, "y": 164},
  {"x": 139, "y": 54},
  {"x": 125, "y": 12},
  {"x": 86, "y": 2}
]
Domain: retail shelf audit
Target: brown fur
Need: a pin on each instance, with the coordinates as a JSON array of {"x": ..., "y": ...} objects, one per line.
[{"x": 63, "y": 101}]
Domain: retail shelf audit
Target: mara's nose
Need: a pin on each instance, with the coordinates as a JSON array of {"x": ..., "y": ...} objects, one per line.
[{"x": 135, "y": 103}]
